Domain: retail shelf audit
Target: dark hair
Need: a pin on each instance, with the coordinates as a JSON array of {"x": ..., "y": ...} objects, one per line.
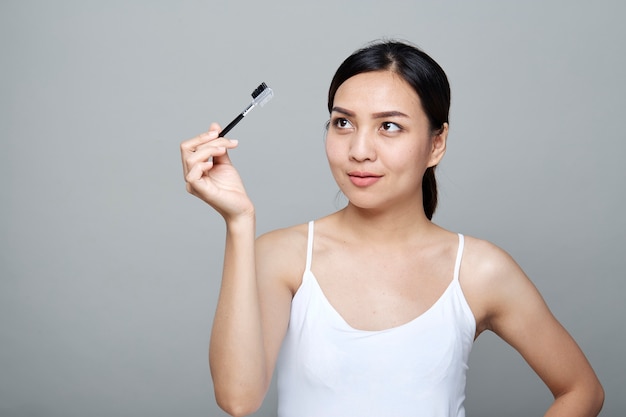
[{"x": 422, "y": 73}]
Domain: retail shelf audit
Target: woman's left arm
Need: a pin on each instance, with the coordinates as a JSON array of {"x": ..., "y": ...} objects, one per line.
[{"x": 515, "y": 310}]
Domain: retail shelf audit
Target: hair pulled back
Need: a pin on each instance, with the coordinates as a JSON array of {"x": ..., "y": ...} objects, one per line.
[{"x": 422, "y": 73}]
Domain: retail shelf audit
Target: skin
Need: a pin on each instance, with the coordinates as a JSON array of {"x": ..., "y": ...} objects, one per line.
[{"x": 379, "y": 261}]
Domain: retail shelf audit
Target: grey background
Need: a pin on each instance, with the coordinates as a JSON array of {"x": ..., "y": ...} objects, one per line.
[{"x": 109, "y": 269}]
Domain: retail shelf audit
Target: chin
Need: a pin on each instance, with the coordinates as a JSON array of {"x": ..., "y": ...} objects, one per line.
[{"x": 367, "y": 203}]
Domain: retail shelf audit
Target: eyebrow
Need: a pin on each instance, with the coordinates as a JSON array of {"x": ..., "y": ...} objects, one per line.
[{"x": 379, "y": 115}]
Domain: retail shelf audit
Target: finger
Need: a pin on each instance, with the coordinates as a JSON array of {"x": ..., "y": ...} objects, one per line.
[
  {"x": 205, "y": 152},
  {"x": 197, "y": 172},
  {"x": 198, "y": 183},
  {"x": 203, "y": 155},
  {"x": 205, "y": 160},
  {"x": 223, "y": 157},
  {"x": 191, "y": 144},
  {"x": 216, "y": 143},
  {"x": 215, "y": 127}
]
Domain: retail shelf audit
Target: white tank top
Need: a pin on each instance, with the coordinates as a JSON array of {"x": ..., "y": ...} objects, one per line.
[{"x": 327, "y": 368}]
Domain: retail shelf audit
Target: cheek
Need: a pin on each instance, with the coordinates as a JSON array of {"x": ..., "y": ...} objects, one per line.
[
  {"x": 410, "y": 162},
  {"x": 335, "y": 154},
  {"x": 333, "y": 150}
]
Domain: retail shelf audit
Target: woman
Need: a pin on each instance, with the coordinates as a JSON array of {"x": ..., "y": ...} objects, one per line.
[{"x": 373, "y": 309}]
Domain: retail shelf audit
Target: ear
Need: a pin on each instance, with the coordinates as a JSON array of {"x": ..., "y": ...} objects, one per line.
[{"x": 438, "y": 146}]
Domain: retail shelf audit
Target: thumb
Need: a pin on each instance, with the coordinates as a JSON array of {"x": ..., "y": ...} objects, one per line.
[{"x": 215, "y": 127}]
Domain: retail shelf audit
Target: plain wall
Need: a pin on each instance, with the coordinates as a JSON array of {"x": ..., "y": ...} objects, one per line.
[{"x": 109, "y": 270}]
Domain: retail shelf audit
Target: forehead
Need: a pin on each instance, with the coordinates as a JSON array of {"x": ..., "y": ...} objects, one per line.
[{"x": 378, "y": 91}]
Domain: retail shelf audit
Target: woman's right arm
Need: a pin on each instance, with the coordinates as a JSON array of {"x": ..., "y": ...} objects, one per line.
[{"x": 243, "y": 347}]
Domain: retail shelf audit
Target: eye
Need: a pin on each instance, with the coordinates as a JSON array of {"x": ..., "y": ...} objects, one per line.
[
  {"x": 390, "y": 127},
  {"x": 342, "y": 123}
]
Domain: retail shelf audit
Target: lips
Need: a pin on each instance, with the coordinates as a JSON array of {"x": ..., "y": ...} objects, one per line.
[{"x": 363, "y": 179}]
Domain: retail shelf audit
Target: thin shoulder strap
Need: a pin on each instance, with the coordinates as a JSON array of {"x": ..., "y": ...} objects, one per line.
[
  {"x": 309, "y": 247},
  {"x": 459, "y": 256}
]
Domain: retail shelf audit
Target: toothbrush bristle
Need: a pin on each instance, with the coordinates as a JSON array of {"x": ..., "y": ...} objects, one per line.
[{"x": 259, "y": 90}]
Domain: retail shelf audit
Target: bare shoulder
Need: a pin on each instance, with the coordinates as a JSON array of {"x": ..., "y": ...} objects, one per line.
[
  {"x": 281, "y": 254},
  {"x": 486, "y": 262},
  {"x": 285, "y": 238},
  {"x": 493, "y": 282},
  {"x": 505, "y": 301}
]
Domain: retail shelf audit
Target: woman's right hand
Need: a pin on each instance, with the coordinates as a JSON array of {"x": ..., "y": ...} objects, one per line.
[{"x": 210, "y": 175}]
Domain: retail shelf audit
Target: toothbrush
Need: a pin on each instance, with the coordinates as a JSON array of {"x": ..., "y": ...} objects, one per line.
[{"x": 261, "y": 95}]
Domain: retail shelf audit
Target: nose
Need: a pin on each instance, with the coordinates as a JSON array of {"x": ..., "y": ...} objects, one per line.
[{"x": 362, "y": 147}]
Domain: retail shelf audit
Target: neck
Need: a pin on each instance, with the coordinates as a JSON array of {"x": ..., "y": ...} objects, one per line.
[{"x": 386, "y": 225}]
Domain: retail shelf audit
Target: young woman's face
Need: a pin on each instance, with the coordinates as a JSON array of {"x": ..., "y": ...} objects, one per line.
[{"x": 379, "y": 141}]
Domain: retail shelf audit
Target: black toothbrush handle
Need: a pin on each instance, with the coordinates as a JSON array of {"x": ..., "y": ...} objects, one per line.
[{"x": 230, "y": 126}]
